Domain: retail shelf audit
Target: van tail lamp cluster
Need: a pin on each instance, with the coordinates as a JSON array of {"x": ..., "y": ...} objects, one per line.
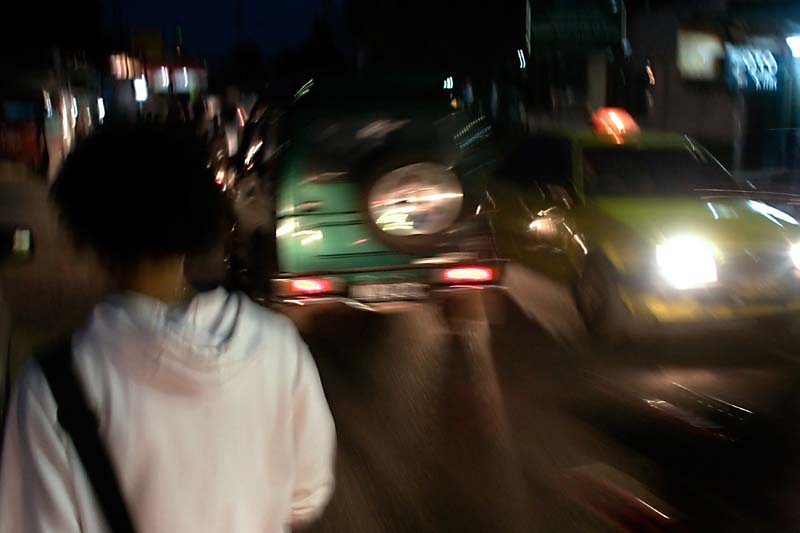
[
  {"x": 318, "y": 286},
  {"x": 615, "y": 122},
  {"x": 468, "y": 274},
  {"x": 306, "y": 286},
  {"x": 310, "y": 286}
]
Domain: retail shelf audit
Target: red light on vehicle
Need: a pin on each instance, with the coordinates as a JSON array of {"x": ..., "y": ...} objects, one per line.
[
  {"x": 468, "y": 274},
  {"x": 310, "y": 286},
  {"x": 615, "y": 122}
]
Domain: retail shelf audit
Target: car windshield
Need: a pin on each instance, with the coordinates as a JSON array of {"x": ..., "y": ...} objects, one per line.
[{"x": 651, "y": 171}]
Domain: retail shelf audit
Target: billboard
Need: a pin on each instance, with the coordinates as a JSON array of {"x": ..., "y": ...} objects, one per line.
[{"x": 700, "y": 55}]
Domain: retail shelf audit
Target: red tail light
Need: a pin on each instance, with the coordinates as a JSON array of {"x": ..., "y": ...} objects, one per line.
[
  {"x": 310, "y": 286},
  {"x": 468, "y": 275}
]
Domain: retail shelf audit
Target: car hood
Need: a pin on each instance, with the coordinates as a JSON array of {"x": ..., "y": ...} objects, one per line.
[{"x": 729, "y": 223}]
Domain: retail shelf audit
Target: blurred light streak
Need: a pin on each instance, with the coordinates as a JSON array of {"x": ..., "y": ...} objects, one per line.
[
  {"x": 396, "y": 219},
  {"x": 581, "y": 244},
  {"x": 251, "y": 152},
  {"x": 521, "y": 56},
  {"x": 793, "y": 41},
  {"x": 164, "y": 77},
  {"x": 48, "y": 104},
  {"x": 311, "y": 236},
  {"x": 794, "y": 254},
  {"x": 653, "y": 508},
  {"x": 140, "y": 89},
  {"x": 285, "y": 228},
  {"x": 468, "y": 274},
  {"x": 713, "y": 211},
  {"x": 65, "y": 128},
  {"x": 304, "y": 89},
  {"x": 771, "y": 213},
  {"x": 74, "y": 111}
]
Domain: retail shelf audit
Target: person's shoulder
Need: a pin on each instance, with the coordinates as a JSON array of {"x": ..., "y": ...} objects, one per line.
[
  {"x": 32, "y": 391},
  {"x": 268, "y": 322}
]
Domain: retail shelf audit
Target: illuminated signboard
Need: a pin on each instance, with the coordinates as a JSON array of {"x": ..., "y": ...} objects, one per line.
[
  {"x": 699, "y": 55},
  {"x": 751, "y": 69}
]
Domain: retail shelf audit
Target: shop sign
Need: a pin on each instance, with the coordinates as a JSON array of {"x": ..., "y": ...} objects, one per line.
[{"x": 751, "y": 69}]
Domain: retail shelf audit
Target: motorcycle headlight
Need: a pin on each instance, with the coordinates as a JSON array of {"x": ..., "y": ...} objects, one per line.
[
  {"x": 687, "y": 262},
  {"x": 418, "y": 199}
]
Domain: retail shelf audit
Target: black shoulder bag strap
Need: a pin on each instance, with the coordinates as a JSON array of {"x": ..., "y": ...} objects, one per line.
[{"x": 80, "y": 423}]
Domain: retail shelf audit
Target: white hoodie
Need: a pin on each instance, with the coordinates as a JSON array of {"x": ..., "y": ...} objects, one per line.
[{"x": 213, "y": 413}]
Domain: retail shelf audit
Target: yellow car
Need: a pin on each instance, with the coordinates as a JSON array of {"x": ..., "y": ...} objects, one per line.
[{"x": 648, "y": 227}]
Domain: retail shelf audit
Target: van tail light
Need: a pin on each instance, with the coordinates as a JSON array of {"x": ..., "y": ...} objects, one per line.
[
  {"x": 468, "y": 275},
  {"x": 310, "y": 286}
]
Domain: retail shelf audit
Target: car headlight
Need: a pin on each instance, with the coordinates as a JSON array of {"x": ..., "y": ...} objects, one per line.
[
  {"x": 418, "y": 199},
  {"x": 686, "y": 262},
  {"x": 794, "y": 253}
]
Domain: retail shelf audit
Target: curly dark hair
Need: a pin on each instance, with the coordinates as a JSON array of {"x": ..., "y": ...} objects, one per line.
[{"x": 139, "y": 192}]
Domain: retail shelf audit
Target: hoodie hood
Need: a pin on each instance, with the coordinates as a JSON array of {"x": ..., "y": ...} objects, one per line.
[{"x": 195, "y": 344}]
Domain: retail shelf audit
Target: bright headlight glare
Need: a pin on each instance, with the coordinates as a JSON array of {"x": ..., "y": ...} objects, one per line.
[
  {"x": 418, "y": 199},
  {"x": 794, "y": 253},
  {"x": 687, "y": 262}
]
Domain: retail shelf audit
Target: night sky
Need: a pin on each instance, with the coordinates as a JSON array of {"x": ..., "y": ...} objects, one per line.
[{"x": 208, "y": 25}]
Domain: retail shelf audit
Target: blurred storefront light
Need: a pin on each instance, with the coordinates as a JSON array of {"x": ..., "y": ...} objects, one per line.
[
  {"x": 140, "y": 89},
  {"x": 101, "y": 109},
  {"x": 751, "y": 69},
  {"x": 699, "y": 55},
  {"x": 125, "y": 67}
]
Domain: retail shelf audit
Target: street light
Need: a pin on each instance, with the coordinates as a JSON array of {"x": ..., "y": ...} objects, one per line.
[{"x": 794, "y": 44}]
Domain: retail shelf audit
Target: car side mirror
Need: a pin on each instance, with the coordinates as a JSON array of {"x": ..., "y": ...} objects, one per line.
[{"x": 16, "y": 244}]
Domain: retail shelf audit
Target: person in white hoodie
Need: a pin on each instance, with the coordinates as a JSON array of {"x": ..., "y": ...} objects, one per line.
[{"x": 210, "y": 407}]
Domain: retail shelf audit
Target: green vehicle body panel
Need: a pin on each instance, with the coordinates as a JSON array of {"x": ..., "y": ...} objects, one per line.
[{"x": 336, "y": 236}]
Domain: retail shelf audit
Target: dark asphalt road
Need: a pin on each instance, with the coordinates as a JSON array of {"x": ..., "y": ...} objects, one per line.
[{"x": 449, "y": 423}]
